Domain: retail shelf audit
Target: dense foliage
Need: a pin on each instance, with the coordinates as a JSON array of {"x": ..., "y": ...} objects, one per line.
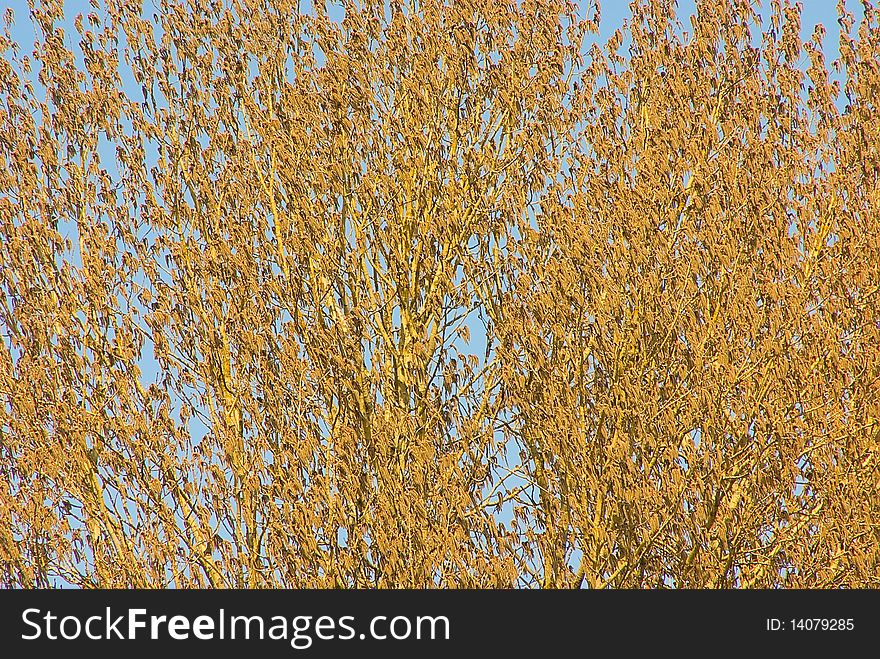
[{"x": 437, "y": 293}]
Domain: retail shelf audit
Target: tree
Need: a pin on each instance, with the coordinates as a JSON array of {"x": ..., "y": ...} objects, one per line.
[{"x": 429, "y": 294}]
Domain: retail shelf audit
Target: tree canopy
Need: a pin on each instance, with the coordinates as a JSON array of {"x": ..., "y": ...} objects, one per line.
[{"x": 439, "y": 294}]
